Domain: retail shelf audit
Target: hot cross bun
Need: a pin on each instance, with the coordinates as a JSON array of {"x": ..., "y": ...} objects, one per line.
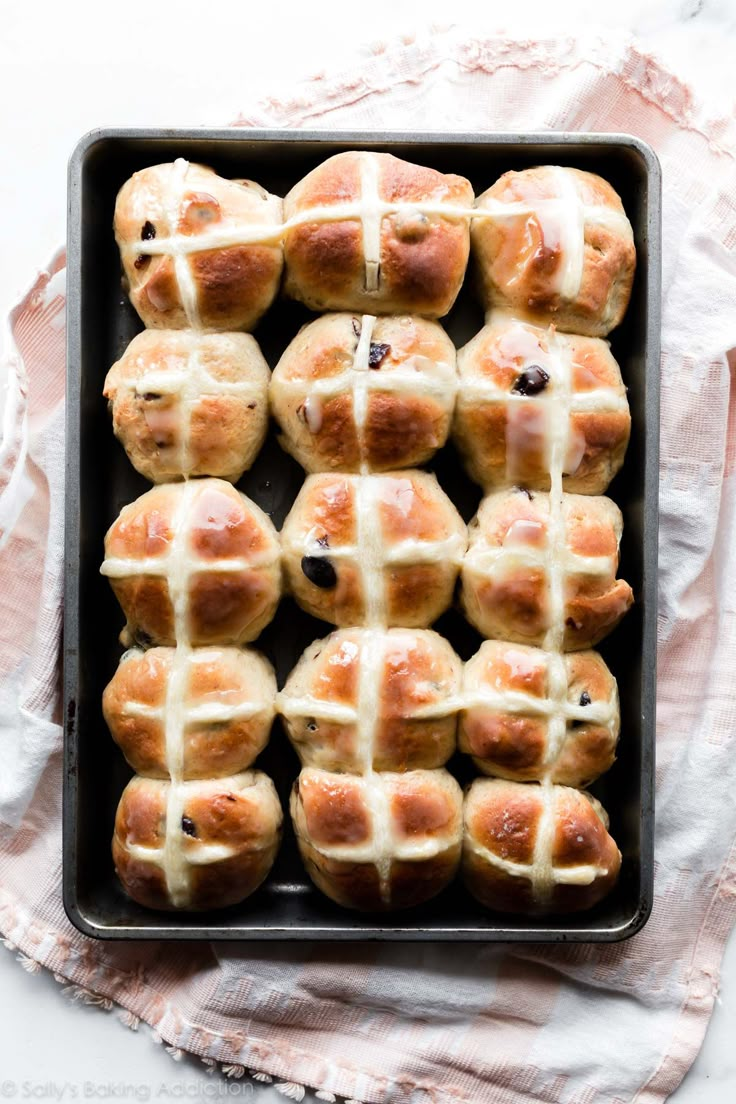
[
  {"x": 556, "y": 245},
  {"x": 197, "y": 250},
  {"x": 369, "y": 232},
  {"x": 530, "y": 397},
  {"x": 536, "y": 849},
  {"x": 524, "y": 577},
  {"x": 530, "y": 715},
  {"x": 186, "y": 404},
  {"x": 196, "y": 713},
  {"x": 204, "y": 844},
  {"x": 359, "y": 393},
  {"x": 380, "y": 841},
  {"x": 193, "y": 563},
  {"x": 373, "y": 699},
  {"x": 373, "y": 549}
]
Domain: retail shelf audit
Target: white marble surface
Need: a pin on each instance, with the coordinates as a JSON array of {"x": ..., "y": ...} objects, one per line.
[{"x": 67, "y": 68}]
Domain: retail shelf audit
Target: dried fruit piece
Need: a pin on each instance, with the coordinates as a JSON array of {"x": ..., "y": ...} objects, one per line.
[
  {"x": 377, "y": 354},
  {"x": 531, "y": 381},
  {"x": 319, "y": 570}
]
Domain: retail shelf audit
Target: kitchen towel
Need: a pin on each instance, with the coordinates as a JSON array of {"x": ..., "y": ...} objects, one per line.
[{"x": 413, "y": 1024}]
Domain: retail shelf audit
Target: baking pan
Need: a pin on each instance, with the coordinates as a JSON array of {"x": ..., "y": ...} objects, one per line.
[{"x": 100, "y": 480}]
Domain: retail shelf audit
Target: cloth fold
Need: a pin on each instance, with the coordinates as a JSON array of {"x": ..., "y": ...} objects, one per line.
[{"x": 413, "y": 1024}]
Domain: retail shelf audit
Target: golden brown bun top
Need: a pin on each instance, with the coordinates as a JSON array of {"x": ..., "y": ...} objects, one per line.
[
  {"x": 199, "y": 553},
  {"x": 408, "y": 258},
  {"x": 197, "y": 713},
  {"x": 523, "y": 386},
  {"x": 548, "y": 847},
  {"x": 230, "y": 231},
  {"x": 186, "y": 403},
  {"x": 374, "y": 698},
  {"x": 373, "y": 549},
  {"x": 568, "y": 255},
  {"x": 523, "y": 579},
  {"x": 218, "y": 522},
  {"x": 408, "y": 815},
  {"x": 530, "y": 715},
  {"x": 356, "y": 392}
]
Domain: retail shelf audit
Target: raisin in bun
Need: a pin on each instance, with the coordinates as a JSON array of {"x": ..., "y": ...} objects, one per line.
[
  {"x": 529, "y": 396},
  {"x": 187, "y": 404},
  {"x": 194, "y": 563},
  {"x": 556, "y": 245},
  {"x": 193, "y": 713},
  {"x": 198, "y": 250},
  {"x": 521, "y": 576},
  {"x": 373, "y": 699},
  {"x": 359, "y": 393},
  {"x": 197, "y": 845},
  {"x": 530, "y": 715},
  {"x": 373, "y": 549},
  {"x": 369, "y": 232},
  {"x": 381, "y": 841},
  {"x": 536, "y": 849}
]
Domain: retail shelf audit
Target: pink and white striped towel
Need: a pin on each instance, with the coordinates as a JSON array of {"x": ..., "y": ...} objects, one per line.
[{"x": 579, "y": 1025}]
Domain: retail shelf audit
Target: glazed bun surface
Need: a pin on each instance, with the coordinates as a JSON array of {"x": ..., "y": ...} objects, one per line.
[
  {"x": 197, "y": 845},
  {"x": 526, "y": 392},
  {"x": 189, "y": 404},
  {"x": 530, "y": 715},
  {"x": 373, "y": 549},
  {"x": 375, "y": 234},
  {"x": 536, "y": 850},
  {"x": 359, "y": 393},
  {"x": 197, "y": 250},
  {"x": 567, "y": 257},
  {"x": 378, "y": 842},
  {"x": 373, "y": 699},
  {"x": 521, "y": 576},
  {"x": 216, "y": 712},
  {"x": 195, "y": 563}
]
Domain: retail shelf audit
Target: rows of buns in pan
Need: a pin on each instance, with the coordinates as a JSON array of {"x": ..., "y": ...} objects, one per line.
[
  {"x": 359, "y": 396},
  {"x": 366, "y": 231},
  {"x": 363, "y": 550}
]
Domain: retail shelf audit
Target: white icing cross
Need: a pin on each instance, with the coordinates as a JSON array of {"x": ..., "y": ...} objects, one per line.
[
  {"x": 188, "y": 385},
  {"x": 360, "y": 381},
  {"x": 567, "y": 211}
]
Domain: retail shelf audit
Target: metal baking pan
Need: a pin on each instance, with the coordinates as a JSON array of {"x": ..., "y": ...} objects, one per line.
[{"x": 100, "y": 480}]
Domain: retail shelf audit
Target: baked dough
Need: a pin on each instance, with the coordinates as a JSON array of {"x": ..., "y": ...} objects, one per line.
[
  {"x": 373, "y": 699},
  {"x": 556, "y": 244},
  {"x": 197, "y": 845},
  {"x": 186, "y": 404},
  {"x": 202, "y": 713},
  {"x": 198, "y": 251},
  {"x": 372, "y": 233},
  {"x": 380, "y": 842},
  {"x": 359, "y": 393},
  {"x": 525, "y": 390},
  {"x": 531, "y": 715},
  {"x": 373, "y": 549},
  {"x": 529, "y": 580},
  {"x": 193, "y": 563},
  {"x": 536, "y": 849}
]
